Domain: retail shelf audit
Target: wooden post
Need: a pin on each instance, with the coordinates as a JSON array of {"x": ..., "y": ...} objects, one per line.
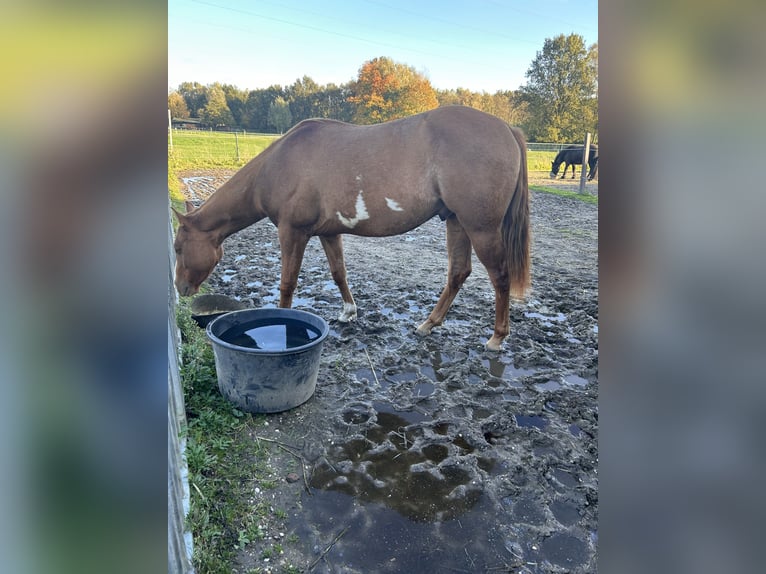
[
  {"x": 585, "y": 156},
  {"x": 170, "y": 130},
  {"x": 236, "y": 142}
]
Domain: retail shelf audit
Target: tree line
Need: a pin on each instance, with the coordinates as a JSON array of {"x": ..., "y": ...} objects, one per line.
[{"x": 559, "y": 102}]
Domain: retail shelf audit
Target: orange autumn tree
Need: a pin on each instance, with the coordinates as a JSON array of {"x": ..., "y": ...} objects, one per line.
[{"x": 386, "y": 90}]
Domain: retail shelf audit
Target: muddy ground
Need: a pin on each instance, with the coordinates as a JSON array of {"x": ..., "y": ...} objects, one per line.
[{"x": 432, "y": 454}]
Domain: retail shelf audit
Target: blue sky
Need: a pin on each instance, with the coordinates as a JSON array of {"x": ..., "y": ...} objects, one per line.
[{"x": 482, "y": 45}]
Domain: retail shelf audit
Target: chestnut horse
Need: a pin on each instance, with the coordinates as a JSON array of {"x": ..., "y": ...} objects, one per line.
[{"x": 327, "y": 178}]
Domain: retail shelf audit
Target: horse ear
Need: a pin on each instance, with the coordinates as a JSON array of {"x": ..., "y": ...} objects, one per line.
[
  {"x": 181, "y": 217},
  {"x": 189, "y": 206}
]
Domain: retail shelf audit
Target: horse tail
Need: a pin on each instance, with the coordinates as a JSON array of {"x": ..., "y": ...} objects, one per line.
[{"x": 516, "y": 232}]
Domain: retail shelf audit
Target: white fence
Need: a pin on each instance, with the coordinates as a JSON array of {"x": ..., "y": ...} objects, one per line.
[{"x": 179, "y": 538}]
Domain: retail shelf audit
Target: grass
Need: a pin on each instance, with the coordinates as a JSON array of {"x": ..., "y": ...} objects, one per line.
[
  {"x": 225, "y": 464},
  {"x": 540, "y": 160},
  {"x": 586, "y": 197},
  {"x": 199, "y": 149}
]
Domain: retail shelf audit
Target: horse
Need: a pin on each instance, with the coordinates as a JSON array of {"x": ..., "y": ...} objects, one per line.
[
  {"x": 327, "y": 178},
  {"x": 572, "y": 155}
]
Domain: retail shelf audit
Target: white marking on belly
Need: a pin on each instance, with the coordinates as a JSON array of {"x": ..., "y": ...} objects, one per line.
[
  {"x": 361, "y": 213},
  {"x": 393, "y": 206}
]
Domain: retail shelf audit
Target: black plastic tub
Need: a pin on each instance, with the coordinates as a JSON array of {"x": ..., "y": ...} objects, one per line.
[
  {"x": 267, "y": 360},
  {"x": 208, "y": 307}
]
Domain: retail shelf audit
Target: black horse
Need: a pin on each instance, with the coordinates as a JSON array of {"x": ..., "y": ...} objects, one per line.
[{"x": 572, "y": 155}]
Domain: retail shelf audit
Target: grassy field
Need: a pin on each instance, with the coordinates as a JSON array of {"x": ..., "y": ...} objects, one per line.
[
  {"x": 200, "y": 150},
  {"x": 540, "y": 160}
]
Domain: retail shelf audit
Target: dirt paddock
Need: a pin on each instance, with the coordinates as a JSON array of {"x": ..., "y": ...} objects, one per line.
[{"x": 432, "y": 454}]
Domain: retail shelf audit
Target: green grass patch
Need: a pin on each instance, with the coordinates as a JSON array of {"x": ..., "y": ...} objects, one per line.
[
  {"x": 198, "y": 149},
  {"x": 174, "y": 190},
  {"x": 540, "y": 160},
  {"x": 586, "y": 197},
  {"x": 225, "y": 463}
]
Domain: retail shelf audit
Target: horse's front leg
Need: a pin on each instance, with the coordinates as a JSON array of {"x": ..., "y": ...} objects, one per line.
[
  {"x": 333, "y": 248},
  {"x": 292, "y": 244}
]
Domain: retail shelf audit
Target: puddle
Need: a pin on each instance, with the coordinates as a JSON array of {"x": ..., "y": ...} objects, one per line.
[
  {"x": 565, "y": 477},
  {"x": 398, "y": 377},
  {"x": 504, "y": 370},
  {"x": 390, "y": 313},
  {"x": 423, "y": 389},
  {"x": 228, "y": 275},
  {"x": 575, "y": 380},
  {"x": 371, "y": 537},
  {"x": 390, "y": 494},
  {"x": 531, "y": 421},
  {"x": 528, "y": 511},
  {"x": 564, "y": 550},
  {"x": 365, "y": 374},
  {"x": 387, "y": 467},
  {"x": 546, "y": 319},
  {"x": 273, "y": 299},
  {"x": 564, "y": 512},
  {"x": 432, "y": 374},
  {"x": 548, "y": 386}
]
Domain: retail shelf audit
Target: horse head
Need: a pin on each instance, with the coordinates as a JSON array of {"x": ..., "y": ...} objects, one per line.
[
  {"x": 197, "y": 253},
  {"x": 555, "y": 169}
]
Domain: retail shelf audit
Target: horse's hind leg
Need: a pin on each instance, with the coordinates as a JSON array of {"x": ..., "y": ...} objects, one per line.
[
  {"x": 333, "y": 248},
  {"x": 492, "y": 253},
  {"x": 458, "y": 270}
]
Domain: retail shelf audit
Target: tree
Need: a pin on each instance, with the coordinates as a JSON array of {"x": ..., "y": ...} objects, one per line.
[
  {"x": 386, "y": 90},
  {"x": 333, "y": 103},
  {"x": 562, "y": 90},
  {"x": 279, "y": 115},
  {"x": 256, "y": 114},
  {"x": 506, "y": 105},
  {"x": 304, "y": 96},
  {"x": 216, "y": 112},
  {"x": 235, "y": 99},
  {"x": 195, "y": 96},
  {"x": 177, "y": 105}
]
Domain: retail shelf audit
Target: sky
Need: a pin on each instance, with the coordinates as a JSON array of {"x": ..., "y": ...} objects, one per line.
[{"x": 481, "y": 45}]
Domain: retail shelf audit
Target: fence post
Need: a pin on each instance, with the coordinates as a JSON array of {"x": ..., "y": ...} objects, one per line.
[
  {"x": 585, "y": 156},
  {"x": 170, "y": 131},
  {"x": 236, "y": 142}
]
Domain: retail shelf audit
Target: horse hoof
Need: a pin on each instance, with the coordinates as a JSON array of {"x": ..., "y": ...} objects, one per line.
[
  {"x": 424, "y": 330},
  {"x": 348, "y": 314},
  {"x": 494, "y": 344}
]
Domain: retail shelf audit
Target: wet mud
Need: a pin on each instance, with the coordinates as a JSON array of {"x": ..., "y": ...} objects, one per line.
[{"x": 433, "y": 454}]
